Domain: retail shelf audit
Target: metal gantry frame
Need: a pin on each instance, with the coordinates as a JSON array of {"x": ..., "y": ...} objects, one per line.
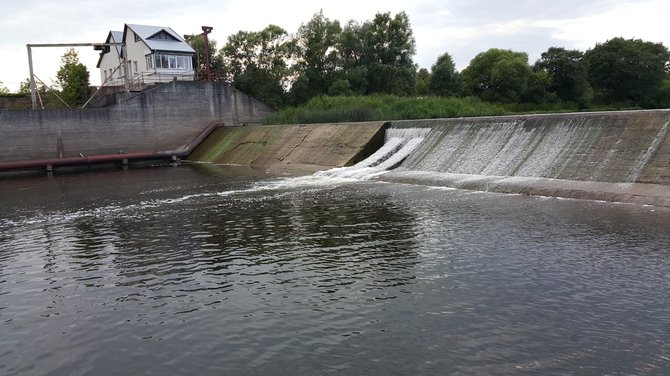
[
  {"x": 33, "y": 87},
  {"x": 98, "y": 47},
  {"x": 206, "y": 30}
]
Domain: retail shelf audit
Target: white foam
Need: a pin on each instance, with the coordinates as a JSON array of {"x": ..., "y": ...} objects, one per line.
[{"x": 400, "y": 142}]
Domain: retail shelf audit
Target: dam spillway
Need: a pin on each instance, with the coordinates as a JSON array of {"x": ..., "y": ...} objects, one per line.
[
  {"x": 613, "y": 156},
  {"x": 622, "y": 147}
]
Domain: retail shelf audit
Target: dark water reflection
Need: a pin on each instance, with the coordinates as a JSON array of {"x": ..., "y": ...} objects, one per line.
[{"x": 189, "y": 271}]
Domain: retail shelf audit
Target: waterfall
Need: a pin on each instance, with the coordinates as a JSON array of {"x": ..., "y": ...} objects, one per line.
[
  {"x": 649, "y": 153},
  {"x": 398, "y": 144},
  {"x": 608, "y": 147}
]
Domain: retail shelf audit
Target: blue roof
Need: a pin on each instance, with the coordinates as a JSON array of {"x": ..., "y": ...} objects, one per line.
[
  {"x": 116, "y": 37},
  {"x": 146, "y": 32},
  {"x": 112, "y": 37}
]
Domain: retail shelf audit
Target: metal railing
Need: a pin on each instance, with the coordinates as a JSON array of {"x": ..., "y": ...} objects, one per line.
[{"x": 144, "y": 79}]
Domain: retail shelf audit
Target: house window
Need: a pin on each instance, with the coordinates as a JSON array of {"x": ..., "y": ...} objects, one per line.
[
  {"x": 135, "y": 66},
  {"x": 166, "y": 61},
  {"x": 137, "y": 38},
  {"x": 105, "y": 75},
  {"x": 150, "y": 61}
]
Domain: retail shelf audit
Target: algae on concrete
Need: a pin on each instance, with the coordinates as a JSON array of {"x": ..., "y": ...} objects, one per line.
[{"x": 291, "y": 148}]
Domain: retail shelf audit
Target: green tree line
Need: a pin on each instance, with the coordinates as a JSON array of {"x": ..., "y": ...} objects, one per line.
[{"x": 325, "y": 57}]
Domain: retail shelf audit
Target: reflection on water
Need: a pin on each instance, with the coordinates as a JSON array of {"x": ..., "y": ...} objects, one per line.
[{"x": 207, "y": 271}]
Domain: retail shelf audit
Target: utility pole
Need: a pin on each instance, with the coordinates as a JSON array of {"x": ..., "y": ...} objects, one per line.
[
  {"x": 33, "y": 92},
  {"x": 206, "y": 30}
]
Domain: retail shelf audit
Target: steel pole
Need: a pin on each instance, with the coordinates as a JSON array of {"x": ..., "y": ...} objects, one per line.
[
  {"x": 33, "y": 95},
  {"x": 206, "y": 30}
]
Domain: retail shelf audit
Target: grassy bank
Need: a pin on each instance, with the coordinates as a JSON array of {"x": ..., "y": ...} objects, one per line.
[{"x": 327, "y": 109}]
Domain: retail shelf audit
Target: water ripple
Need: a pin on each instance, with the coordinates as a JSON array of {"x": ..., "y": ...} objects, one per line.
[{"x": 363, "y": 279}]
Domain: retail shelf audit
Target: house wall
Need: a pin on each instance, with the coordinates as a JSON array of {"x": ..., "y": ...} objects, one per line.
[
  {"x": 135, "y": 52},
  {"x": 109, "y": 61},
  {"x": 160, "y": 119}
]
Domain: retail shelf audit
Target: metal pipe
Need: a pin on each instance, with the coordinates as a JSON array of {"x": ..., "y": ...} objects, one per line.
[
  {"x": 73, "y": 44},
  {"x": 181, "y": 152}
]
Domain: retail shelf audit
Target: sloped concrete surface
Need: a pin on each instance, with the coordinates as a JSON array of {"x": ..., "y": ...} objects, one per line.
[{"x": 291, "y": 149}]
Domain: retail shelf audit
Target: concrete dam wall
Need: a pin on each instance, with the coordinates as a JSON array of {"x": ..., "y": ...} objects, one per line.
[
  {"x": 607, "y": 147},
  {"x": 614, "y": 156},
  {"x": 291, "y": 148},
  {"x": 164, "y": 117}
]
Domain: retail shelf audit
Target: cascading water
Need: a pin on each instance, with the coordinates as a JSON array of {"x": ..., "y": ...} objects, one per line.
[
  {"x": 571, "y": 155},
  {"x": 602, "y": 147},
  {"x": 647, "y": 155},
  {"x": 398, "y": 144}
]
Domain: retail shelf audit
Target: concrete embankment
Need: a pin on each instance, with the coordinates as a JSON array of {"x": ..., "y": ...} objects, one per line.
[
  {"x": 292, "y": 149},
  {"x": 613, "y": 156},
  {"x": 162, "y": 118}
]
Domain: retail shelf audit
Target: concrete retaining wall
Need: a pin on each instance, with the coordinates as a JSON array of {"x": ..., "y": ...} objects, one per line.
[
  {"x": 291, "y": 148},
  {"x": 164, "y": 117},
  {"x": 614, "y": 156}
]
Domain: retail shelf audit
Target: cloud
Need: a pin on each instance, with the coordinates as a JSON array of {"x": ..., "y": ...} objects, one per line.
[
  {"x": 645, "y": 21},
  {"x": 462, "y": 28}
]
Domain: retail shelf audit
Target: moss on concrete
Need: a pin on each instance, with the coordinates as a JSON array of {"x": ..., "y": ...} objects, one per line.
[{"x": 291, "y": 148}]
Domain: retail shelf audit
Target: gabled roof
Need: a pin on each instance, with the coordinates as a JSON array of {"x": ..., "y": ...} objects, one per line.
[
  {"x": 147, "y": 32},
  {"x": 112, "y": 37},
  {"x": 116, "y": 37}
]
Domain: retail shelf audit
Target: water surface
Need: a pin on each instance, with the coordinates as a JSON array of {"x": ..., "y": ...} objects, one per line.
[{"x": 207, "y": 271}]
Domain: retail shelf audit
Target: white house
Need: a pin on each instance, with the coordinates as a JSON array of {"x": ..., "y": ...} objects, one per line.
[{"x": 149, "y": 54}]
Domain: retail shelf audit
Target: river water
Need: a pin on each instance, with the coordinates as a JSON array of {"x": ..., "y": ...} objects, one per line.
[{"x": 195, "y": 270}]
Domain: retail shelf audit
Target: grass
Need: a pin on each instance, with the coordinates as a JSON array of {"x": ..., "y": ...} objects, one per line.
[{"x": 326, "y": 109}]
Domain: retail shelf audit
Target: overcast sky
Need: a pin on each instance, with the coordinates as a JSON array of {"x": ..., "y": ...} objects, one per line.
[{"x": 463, "y": 28}]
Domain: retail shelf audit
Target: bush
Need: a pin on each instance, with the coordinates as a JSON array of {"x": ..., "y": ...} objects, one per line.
[{"x": 331, "y": 109}]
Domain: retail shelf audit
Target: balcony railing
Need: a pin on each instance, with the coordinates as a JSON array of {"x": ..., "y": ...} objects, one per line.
[{"x": 143, "y": 79}]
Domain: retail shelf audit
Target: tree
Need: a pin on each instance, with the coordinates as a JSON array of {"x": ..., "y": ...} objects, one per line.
[
  {"x": 3, "y": 88},
  {"x": 384, "y": 48},
  {"x": 627, "y": 70},
  {"x": 422, "y": 86},
  {"x": 340, "y": 87},
  {"x": 72, "y": 78},
  {"x": 445, "y": 80},
  {"x": 538, "y": 90},
  {"x": 569, "y": 80},
  {"x": 498, "y": 75},
  {"x": 24, "y": 87},
  {"x": 318, "y": 60},
  {"x": 257, "y": 63},
  {"x": 197, "y": 42},
  {"x": 663, "y": 97}
]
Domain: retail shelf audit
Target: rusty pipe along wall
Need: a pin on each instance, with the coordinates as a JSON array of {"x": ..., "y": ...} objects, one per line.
[
  {"x": 181, "y": 152},
  {"x": 161, "y": 119}
]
